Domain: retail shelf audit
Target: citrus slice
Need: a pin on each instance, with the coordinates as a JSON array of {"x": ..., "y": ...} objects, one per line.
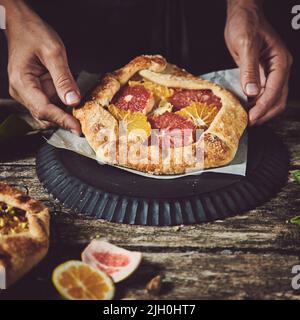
[
  {"x": 76, "y": 280},
  {"x": 119, "y": 114},
  {"x": 133, "y": 122},
  {"x": 138, "y": 122},
  {"x": 135, "y": 98},
  {"x": 158, "y": 90},
  {"x": 201, "y": 114}
]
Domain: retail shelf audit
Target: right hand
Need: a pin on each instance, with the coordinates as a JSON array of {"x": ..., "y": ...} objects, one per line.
[
  {"x": 38, "y": 68},
  {"x": 264, "y": 60}
]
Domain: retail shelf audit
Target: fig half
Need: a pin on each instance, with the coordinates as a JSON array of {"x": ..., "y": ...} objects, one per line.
[{"x": 117, "y": 262}]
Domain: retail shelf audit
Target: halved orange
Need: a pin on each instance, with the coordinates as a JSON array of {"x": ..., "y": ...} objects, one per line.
[
  {"x": 134, "y": 122},
  {"x": 201, "y": 114},
  {"x": 76, "y": 280}
]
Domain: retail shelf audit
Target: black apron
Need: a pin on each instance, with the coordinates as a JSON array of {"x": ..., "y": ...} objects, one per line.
[
  {"x": 105, "y": 34},
  {"x": 102, "y": 35}
]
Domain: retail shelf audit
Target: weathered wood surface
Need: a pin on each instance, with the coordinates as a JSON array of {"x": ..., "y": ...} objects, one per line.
[{"x": 244, "y": 257}]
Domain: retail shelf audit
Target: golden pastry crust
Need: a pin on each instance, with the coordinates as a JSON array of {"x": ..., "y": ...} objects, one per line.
[
  {"x": 112, "y": 82},
  {"x": 217, "y": 145},
  {"x": 21, "y": 251}
]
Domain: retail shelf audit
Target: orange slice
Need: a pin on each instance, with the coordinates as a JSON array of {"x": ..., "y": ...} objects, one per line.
[
  {"x": 118, "y": 113},
  {"x": 158, "y": 90},
  {"x": 201, "y": 114},
  {"x": 135, "y": 123},
  {"x": 76, "y": 280}
]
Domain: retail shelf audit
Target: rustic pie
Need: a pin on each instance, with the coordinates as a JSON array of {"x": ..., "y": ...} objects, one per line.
[
  {"x": 154, "y": 117},
  {"x": 24, "y": 232}
]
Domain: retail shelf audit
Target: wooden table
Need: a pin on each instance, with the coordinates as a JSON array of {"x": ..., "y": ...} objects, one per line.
[{"x": 245, "y": 257}]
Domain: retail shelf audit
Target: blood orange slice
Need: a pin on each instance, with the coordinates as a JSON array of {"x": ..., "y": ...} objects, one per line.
[
  {"x": 135, "y": 98},
  {"x": 159, "y": 91},
  {"x": 174, "y": 130},
  {"x": 184, "y": 97},
  {"x": 115, "y": 261}
]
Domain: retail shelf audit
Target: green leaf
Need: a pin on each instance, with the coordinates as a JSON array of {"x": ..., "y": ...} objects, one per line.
[
  {"x": 12, "y": 127},
  {"x": 295, "y": 220},
  {"x": 297, "y": 175}
]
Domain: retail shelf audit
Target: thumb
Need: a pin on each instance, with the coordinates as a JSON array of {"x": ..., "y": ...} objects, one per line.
[
  {"x": 63, "y": 80},
  {"x": 249, "y": 70}
]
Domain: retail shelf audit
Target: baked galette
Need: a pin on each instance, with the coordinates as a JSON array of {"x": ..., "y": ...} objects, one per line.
[
  {"x": 24, "y": 232},
  {"x": 155, "y": 117}
]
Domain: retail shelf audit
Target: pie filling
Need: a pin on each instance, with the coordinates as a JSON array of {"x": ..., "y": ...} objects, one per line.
[
  {"x": 177, "y": 115},
  {"x": 12, "y": 220}
]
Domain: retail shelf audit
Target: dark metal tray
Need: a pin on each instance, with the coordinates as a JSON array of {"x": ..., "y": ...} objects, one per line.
[{"x": 105, "y": 192}]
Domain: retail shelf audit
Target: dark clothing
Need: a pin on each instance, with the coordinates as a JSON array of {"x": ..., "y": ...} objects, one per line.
[
  {"x": 104, "y": 34},
  {"x": 101, "y": 35}
]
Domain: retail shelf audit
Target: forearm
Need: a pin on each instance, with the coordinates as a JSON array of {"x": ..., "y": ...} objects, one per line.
[
  {"x": 245, "y": 3},
  {"x": 254, "y": 6},
  {"x": 12, "y": 4}
]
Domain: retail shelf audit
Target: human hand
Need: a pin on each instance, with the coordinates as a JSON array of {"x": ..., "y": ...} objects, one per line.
[
  {"x": 38, "y": 68},
  {"x": 262, "y": 57}
]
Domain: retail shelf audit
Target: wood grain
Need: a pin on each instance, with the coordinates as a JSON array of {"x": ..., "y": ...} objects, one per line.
[{"x": 249, "y": 256}]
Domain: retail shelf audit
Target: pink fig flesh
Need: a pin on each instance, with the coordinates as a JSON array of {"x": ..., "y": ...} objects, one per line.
[{"x": 119, "y": 263}]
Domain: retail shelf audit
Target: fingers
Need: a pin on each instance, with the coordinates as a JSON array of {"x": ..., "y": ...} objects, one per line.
[
  {"x": 65, "y": 85},
  {"x": 63, "y": 119},
  {"x": 43, "y": 110},
  {"x": 41, "y": 124},
  {"x": 264, "y": 63},
  {"x": 249, "y": 68},
  {"x": 277, "y": 109},
  {"x": 47, "y": 86},
  {"x": 276, "y": 83},
  {"x": 28, "y": 91}
]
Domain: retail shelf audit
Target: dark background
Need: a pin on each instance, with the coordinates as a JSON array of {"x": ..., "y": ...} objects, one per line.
[{"x": 101, "y": 35}]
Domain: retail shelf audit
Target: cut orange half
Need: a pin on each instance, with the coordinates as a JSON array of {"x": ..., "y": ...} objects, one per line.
[
  {"x": 76, "y": 280},
  {"x": 201, "y": 114}
]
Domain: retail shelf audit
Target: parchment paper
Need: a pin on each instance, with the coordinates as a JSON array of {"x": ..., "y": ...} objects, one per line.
[{"x": 226, "y": 78}]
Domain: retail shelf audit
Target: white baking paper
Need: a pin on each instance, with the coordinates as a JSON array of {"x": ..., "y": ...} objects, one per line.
[{"x": 226, "y": 78}]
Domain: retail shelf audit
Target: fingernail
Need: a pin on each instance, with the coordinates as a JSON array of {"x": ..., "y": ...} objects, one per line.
[
  {"x": 72, "y": 97},
  {"x": 252, "y": 89}
]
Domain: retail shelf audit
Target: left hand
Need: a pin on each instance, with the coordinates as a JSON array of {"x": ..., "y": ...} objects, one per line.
[{"x": 262, "y": 57}]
